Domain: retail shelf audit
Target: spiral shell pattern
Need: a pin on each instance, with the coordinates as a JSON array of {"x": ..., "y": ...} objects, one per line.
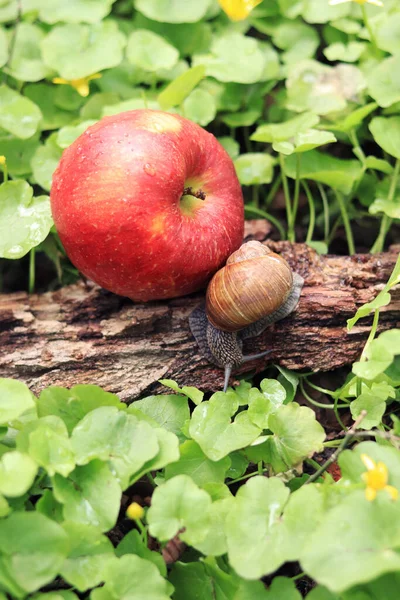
[{"x": 254, "y": 283}]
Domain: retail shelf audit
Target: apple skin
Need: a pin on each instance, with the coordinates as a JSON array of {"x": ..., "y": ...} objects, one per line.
[{"x": 117, "y": 204}]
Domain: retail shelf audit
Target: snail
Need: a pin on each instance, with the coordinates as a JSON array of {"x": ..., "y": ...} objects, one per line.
[{"x": 255, "y": 288}]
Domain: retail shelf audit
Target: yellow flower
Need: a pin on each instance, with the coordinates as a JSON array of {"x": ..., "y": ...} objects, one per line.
[
  {"x": 2, "y": 160},
  {"x": 81, "y": 85},
  {"x": 376, "y": 478},
  {"x": 237, "y": 10},
  {"x": 135, "y": 511},
  {"x": 374, "y": 2}
]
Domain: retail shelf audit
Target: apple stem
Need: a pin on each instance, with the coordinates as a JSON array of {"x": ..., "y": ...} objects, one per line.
[{"x": 188, "y": 191}]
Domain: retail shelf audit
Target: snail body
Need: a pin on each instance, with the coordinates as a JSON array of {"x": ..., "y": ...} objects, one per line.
[{"x": 255, "y": 288}]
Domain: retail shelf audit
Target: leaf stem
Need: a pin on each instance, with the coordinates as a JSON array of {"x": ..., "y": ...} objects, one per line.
[
  {"x": 273, "y": 190},
  {"x": 386, "y": 220},
  {"x": 346, "y": 222},
  {"x": 369, "y": 28},
  {"x": 286, "y": 190},
  {"x": 371, "y": 336},
  {"x": 253, "y": 474},
  {"x": 295, "y": 206},
  {"x": 319, "y": 389},
  {"x": 314, "y": 402},
  {"x": 31, "y": 286},
  {"x": 311, "y": 206},
  {"x": 345, "y": 442},
  {"x": 356, "y": 144},
  {"x": 325, "y": 204}
]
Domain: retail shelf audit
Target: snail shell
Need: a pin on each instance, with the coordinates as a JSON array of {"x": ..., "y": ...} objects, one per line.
[{"x": 254, "y": 283}]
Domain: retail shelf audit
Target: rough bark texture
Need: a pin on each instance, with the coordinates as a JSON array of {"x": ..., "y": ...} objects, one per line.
[{"x": 83, "y": 334}]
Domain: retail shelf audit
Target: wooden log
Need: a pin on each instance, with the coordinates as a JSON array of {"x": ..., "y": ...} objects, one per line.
[{"x": 82, "y": 334}]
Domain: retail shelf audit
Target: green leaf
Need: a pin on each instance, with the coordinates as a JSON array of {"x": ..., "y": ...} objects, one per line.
[
  {"x": 374, "y": 406},
  {"x": 200, "y": 107},
  {"x": 193, "y": 393},
  {"x": 73, "y": 404},
  {"x": 194, "y": 462},
  {"x": 32, "y": 550},
  {"x": 288, "y": 379},
  {"x": 24, "y": 221},
  {"x": 3, "y": 47},
  {"x": 150, "y": 51},
  {"x": 67, "y": 98},
  {"x": 133, "y": 578},
  {"x": 58, "y": 595},
  {"x": 211, "y": 426},
  {"x": 389, "y": 208},
  {"x": 231, "y": 146},
  {"x": 168, "y": 452},
  {"x": 18, "y": 115},
  {"x": 89, "y": 554},
  {"x": 363, "y": 540},
  {"x": 279, "y": 132},
  {"x": 47, "y": 442},
  {"x": 388, "y": 34},
  {"x": 308, "y": 140},
  {"x": 254, "y": 168},
  {"x": 296, "y": 435},
  {"x": 15, "y": 400},
  {"x": 18, "y": 154},
  {"x": 215, "y": 544},
  {"x": 225, "y": 61},
  {"x": 283, "y": 587},
  {"x": 68, "y": 134},
  {"x": 44, "y": 96},
  {"x": 242, "y": 119},
  {"x": 175, "y": 11},
  {"x": 378, "y": 164},
  {"x": 76, "y": 51},
  {"x": 350, "y": 52},
  {"x": 263, "y": 403},
  {"x": 380, "y": 354},
  {"x": 45, "y": 160},
  {"x": 321, "y": 88},
  {"x": 386, "y": 132},
  {"x": 252, "y": 521},
  {"x": 172, "y": 509},
  {"x": 298, "y": 39},
  {"x": 115, "y": 436},
  {"x": 354, "y": 119},
  {"x": 176, "y": 92},
  {"x": 17, "y": 473},
  {"x": 132, "y": 543},
  {"x": 338, "y": 173},
  {"x": 93, "y": 108},
  {"x": 384, "y": 81},
  {"x": 170, "y": 411},
  {"x": 26, "y": 63},
  {"x": 74, "y": 11},
  {"x": 320, "y": 11},
  {"x": 322, "y": 593},
  {"x": 48, "y": 506},
  {"x": 207, "y": 580},
  {"x": 352, "y": 466},
  {"x": 91, "y": 495}
]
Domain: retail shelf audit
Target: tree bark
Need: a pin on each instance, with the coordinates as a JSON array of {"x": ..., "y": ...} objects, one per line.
[{"x": 82, "y": 334}]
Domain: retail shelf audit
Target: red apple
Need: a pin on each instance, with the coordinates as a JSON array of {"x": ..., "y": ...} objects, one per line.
[{"x": 147, "y": 204}]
